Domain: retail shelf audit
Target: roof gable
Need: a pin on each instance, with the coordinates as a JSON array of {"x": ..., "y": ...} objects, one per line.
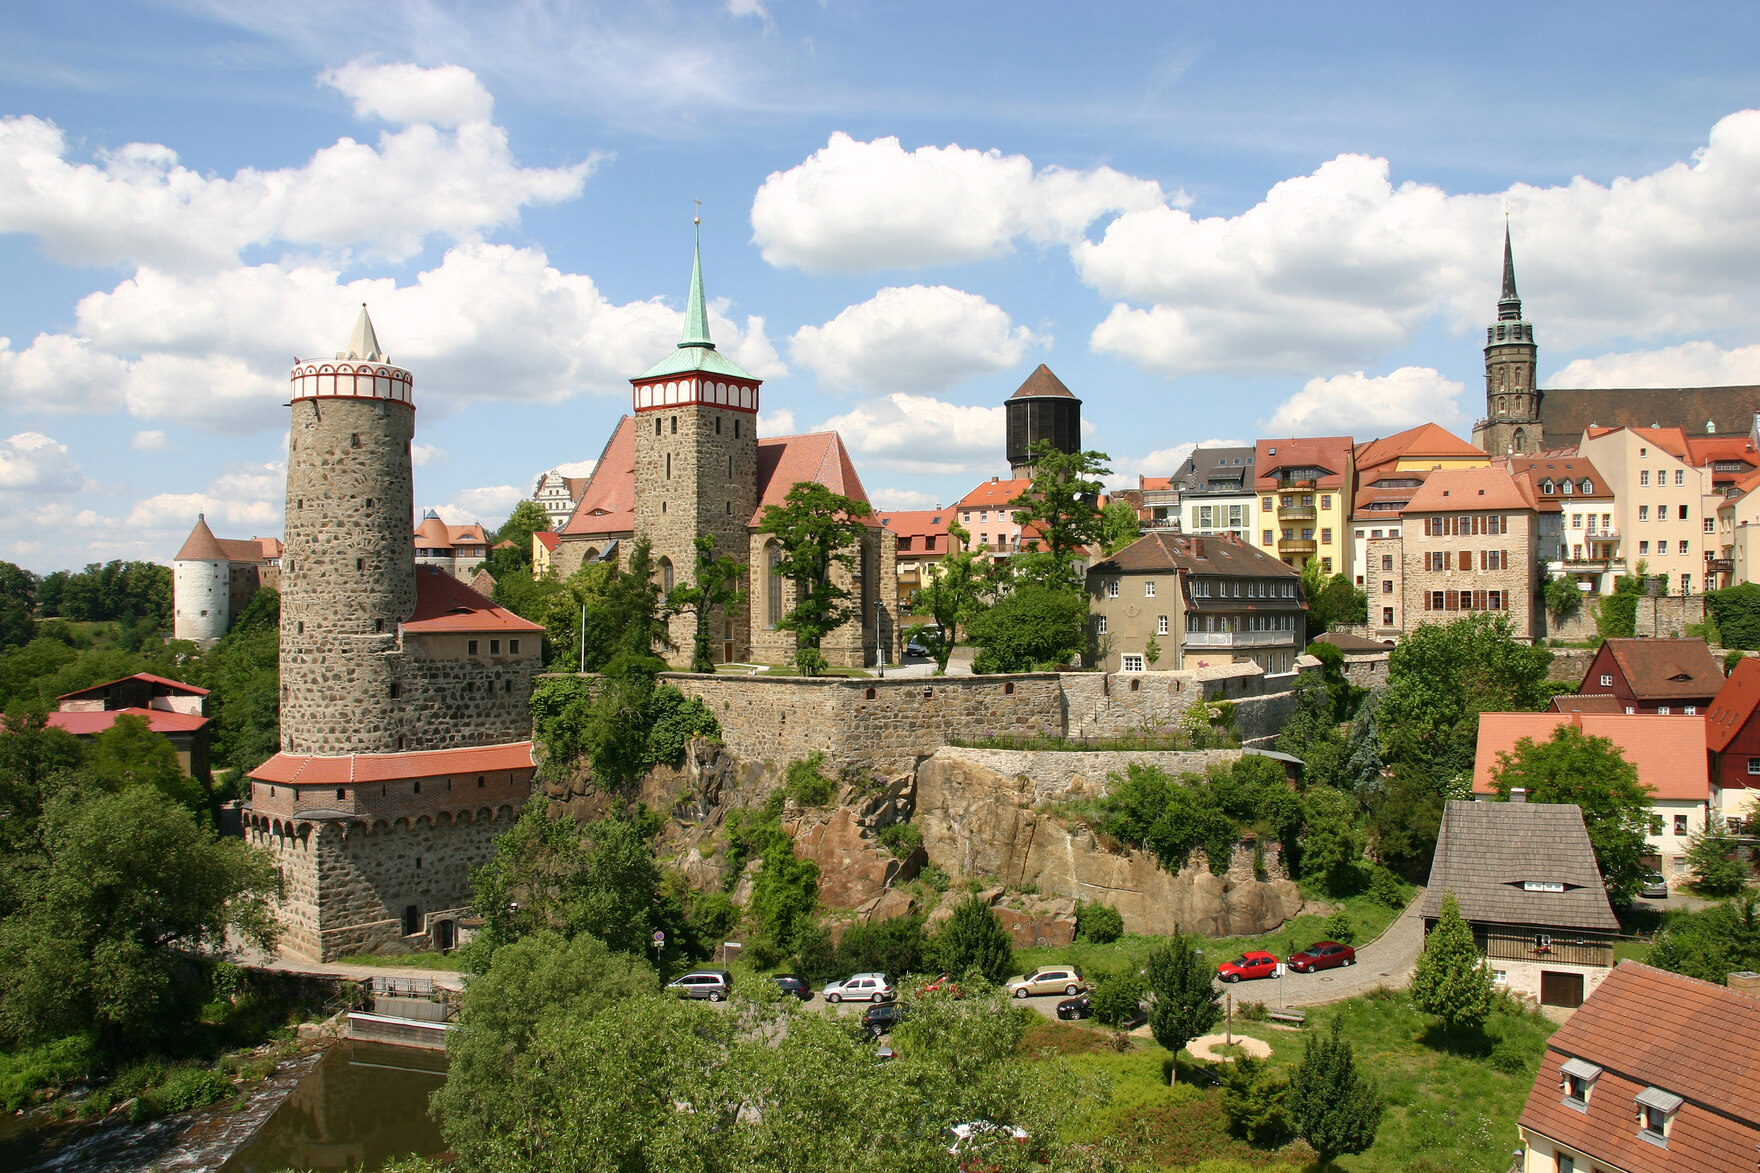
[
  {"x": 1487, "y": 851},
  {"x": 1733, "y": 706},
  {"x": 1218, "y": 554},
  {"x": 608, "y": 505},
  {"x": 814, "y": 458},
  {"x": 1664, "y": 669},
  {"x": 1042, "y": 384},
  {"x": 445, "y": 604},
  {"x": 1465, "y": 490}
]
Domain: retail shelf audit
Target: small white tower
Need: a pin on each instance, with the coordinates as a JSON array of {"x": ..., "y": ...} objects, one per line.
[{"x": 201, "y": 587}]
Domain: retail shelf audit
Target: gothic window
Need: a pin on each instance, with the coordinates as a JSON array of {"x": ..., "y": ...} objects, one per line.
[
  {"x": 665, "y": 574},
  {"x": 675, "y": 425},
  {"x": 773, "y": 597}
]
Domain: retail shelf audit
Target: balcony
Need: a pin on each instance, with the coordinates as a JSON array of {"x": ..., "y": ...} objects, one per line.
[
  {"x": 1170, "y": 523},
  {"x": 1297, "y": 546},
  {"x": 1304, "y": 483},
  {"x": 1601, "y": 535},
  {"x": 1720, "y": 565},
  {"x": 1239, "y": 639},
  {"x": 1295, "y": 513},
  {"x": 1598, "y": 565}
]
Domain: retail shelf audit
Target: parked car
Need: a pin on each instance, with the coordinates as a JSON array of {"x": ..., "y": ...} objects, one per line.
[
  {"x": 879, "y": 1019},
  {"x": 863, "y": 987},
  {"x": 944, "y": 985},
  {"x": 1654, "y": 886},
  {"x": 793, "y": 983},
  {"x": 1322, "y": 955},
  {"x": 1049, "y": 979},
  {"x": 1080, "y": 1006},
  {"x": 916, "y": 648},
  {"x": 713, "y": 984},
  {"x": 1248, "y": 966}
]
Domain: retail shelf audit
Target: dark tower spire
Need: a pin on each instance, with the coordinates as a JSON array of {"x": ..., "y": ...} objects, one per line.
[{"x": 1509, "y": 305}]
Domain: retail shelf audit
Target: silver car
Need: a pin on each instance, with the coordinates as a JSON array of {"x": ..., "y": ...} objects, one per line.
[{"x": 863, "y": 987}]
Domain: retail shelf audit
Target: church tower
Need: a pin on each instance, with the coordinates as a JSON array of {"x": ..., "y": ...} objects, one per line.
[
  {"x": 348, "y": 573},
  {"x": 1512, "y": 398},
  {"x": 696, "y": 457}
]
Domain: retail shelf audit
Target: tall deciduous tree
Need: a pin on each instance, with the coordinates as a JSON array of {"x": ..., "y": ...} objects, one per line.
[
  {"x": 1062, "y": 505},
  {"x": 714, "y": 586},
  {"x": 1032, "y": 629},
  {"x": 972, "y": 939},
  {"x": 1333, "y": 1106},
  {"x": 1574, "y": 767},
  {"x": 1183, "y": 1000},
  {"x": 953, "y": 597},
  {"x": 1451, "y": 981},
  {"x": 1119, "y": 526},
  {"x": 527, "y": 518},
  {"x": 817, "y": 530}
]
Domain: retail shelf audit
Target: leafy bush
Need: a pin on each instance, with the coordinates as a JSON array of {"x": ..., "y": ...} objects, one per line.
[
  {"x": 1617, "y": 617},
  {"x": 900, "y": 839},
  {"x": 893, "y": 947},
  {"x": 1385, "y": 888},
  {"x": 22, "y": 1073},
  {"x": 188, "y": 1088},
  {"x": 1257, "y": 1102},
  {"x": 1118, "y": 996},
  {"x": 972, "y": 938},
  {"x": 1730, "y": 660},
  {"x": 1511, "y": 1058},
  {"x": 1338, "y": 927},
  {"x": 1097, "y": 923},
  {"x": 673, "y": 719},
  {"x": 806, "y": 783},
  {"x": 1737, "y": 612}
]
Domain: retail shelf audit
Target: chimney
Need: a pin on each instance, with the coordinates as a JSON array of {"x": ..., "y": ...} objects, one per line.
[
  {"x": 1518, "y": 794},
  {"x": 1197, "y": 547},
  {"x": 993, "y": 480},
  {"x": 1745, "y": 980}
]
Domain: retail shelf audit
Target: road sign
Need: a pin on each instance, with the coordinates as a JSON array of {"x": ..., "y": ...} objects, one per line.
[{"x": 659, "y": 938}]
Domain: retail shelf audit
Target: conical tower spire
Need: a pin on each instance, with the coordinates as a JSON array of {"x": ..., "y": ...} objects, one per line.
[
  {"x": 363, "y": 344},
  {"x": 1509, "y": 304},
  {"x": 696, "y": 316}
]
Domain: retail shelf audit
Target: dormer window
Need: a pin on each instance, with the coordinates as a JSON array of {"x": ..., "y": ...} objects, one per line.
[
  {"x": 1577, "y": 1080},
  {"x": 1656, "y": 1109},
  {"x": 1546, "y": 485}
]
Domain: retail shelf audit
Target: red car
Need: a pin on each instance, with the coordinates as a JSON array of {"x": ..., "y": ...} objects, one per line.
[
  {"x": 1248, "y": 966},
  {"x": 1322, "y": 955}
]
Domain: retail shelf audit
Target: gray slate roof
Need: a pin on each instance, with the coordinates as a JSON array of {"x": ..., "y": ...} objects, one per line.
[{"x": 1487, "y": 850}]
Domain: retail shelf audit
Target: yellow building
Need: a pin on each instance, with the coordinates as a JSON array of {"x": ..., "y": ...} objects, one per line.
[{"x": 1304, "y": 487}]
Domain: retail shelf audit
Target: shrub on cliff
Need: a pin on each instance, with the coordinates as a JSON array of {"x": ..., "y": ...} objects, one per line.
[
  {"x": 1098, "y": 923},
  {"x": 972, "y": 939}
]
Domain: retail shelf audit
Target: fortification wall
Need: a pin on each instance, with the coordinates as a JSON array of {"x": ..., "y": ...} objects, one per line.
[
  {"x": 451, "y": 698},
  {"x": 1667, "y": 616}
]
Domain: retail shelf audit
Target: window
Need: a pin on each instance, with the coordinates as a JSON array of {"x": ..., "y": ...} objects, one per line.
[
  {"x": 1099, "y": 625},
  {"x": 1266, "y": 540},
  {"x": 1132, "y": 664},
  {"x": 736, "y": 429},
  {"x": 1265, "y": 504},
  {"x": 1682, "y": 515},
  {"x": 494, "y": 647},
  {"x": 984, "y": 515},
  {"x": 1326, "y": 564},
  {"x": 513, "y": 647},
  {"x": 1607, "y": 680},
  {"x": 470, "y": 647},
  {"x": 1112, "y": 588},
  {"x": 1387, "y": 616},
  {"x": 1680, "y": 825},
  {"x": 1326, "y": 503},
  {"x": 1149, "y": 589},
  {"x": 1680, "y": 477},
  {"x": 1656, "y": 1109},
  {"x": 1387, "y": 561},
  {"x": 1387, "y": 586},
  {"x": 1707, "y": 525},
  {"x": 773, "y": 601},
  {"x": 1644, "y": 477},
  {"x": 1643, "y": 547},
  {"x": 1326, "y": 535},
  {"x": 1160, "y": 625},
  {"x": 675, "y": 425},
  {"x": 1683, "y": 547},
  {"x": 1690, "y": 710},
  {"x": 1643, "y": 513}
]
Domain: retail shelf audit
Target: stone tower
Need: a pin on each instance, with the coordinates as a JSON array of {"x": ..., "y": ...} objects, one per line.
[
  {"x": 1512, "y": 397},
  {"x": 696, "y": 457},
  {"x": 348, "y": 573},
  {"x": 201, "y": 584},
  {"x": 1042, "y": 409}
]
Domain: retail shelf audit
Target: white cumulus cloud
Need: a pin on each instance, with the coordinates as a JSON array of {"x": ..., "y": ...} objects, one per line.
[
  {"x": 1692, "y": 364},
  {"x": 920, "y": 337},
  {"x": 884, "y": 499},
  {"x": 858, "y": 205},
  {"x": 1360, "y": 404},
  {"x": 31, "y": 462},
  {"x": 921, "y": 434},
  {"x": 574, "y": 468},
  {"x": 422, "y": 455},
  {"x": 401, "y": 93},
  {"x": 148, "y": 440},
  {"x": 59, "y": 373},
  {"x": 489, "y": 504}
]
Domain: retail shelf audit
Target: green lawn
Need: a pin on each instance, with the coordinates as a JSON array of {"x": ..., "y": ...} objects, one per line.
[
  {"x": 1447, "y": 1111},
  {"x": 1368, "y": 917}
]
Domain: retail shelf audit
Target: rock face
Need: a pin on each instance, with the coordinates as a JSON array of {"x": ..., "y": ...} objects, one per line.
[{"x": 977, "y": 821}]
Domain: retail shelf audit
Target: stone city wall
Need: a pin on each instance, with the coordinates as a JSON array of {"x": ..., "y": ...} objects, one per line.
[
  {"x": 1668, "y": 616},
  {"x": 451, "y": 699}
]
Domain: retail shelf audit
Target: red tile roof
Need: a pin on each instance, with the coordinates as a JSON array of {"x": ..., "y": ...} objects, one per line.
[
  {"x": 309, "y": 769},
  {"x": 1669, "y": 752},
  {"x": 1042, "y": 383},
  {"x": 1702, "y": 450},
  {"x": 786, "y": 461},
  {"x": 148, "y": 677},
  {"x": 1539, "y": 471},
  {"x": 1605, "y": 703},
  {"x": 1208, "y": 554},
  {"x": 203, "y": 546},
  {"x": 1733, "y": 705},
  {"x": 1421, "y": 442},
  {"x": 916, "y": 523},
  {"x": 1332, "y": 454},
  {"x": 994, "y": 493},
  {"x": 608, "y": 506},
  {"x": 1461, "y": 490},
  {"x": 445, "y": 604},
  {"x": 1153, "y": 484},
  {"x": 1646, "y": 1028},
  {"x": 158, "y": 720},
  {"x": 1665, "y": 669},
  {"x": 547, "y": 538}
]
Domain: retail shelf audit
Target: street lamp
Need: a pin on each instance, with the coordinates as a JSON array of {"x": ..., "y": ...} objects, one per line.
[{"x": 880, "y": 645}]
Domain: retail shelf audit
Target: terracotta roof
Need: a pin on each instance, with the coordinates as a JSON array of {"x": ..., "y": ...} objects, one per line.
[
  {"x": 1152, "y": 484},
  {"x": 1216, "y": 554},
  {"x": 470, "y": 534},
  {"x": 913, "y": 523},
  {"x": 158, "y": 720},
  {"x": 1646, "y": 1028},
  {"x": 1566, "y": 413},
  {"x": 1425, "y": 440},
  {"x": 201, "y": 545},
  {"x": 608, "y": 506},
  {"x": 1577, "y": 703},
  {"x": 1733, "y": 705},
  {"x": 1669, "y": 752},
  {"x": 1042, "y": 383},
  {"x": 547, "y": 538},
  {"x": 1332, "y": 454},
  {"x": 1486, "y": 851},
  {"x": 785, "y": 461},
  {"x": 993, "y": 493},
  {"x": 148, "y": 677},
  {"x": 483, "y": 582},
  {"x": 309, "y": 769},
  {"x": 1665, "y": 669},
  {"x": 1460, "y": 490},
  {"x": 445, "y": 604},
  {"x": 1540, "y": 471},
  {"x": 432, "y": 534},
  {"x": 1703, "y": 450}
]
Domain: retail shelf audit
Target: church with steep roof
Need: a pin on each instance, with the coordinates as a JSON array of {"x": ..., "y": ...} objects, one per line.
[{"x": 688, "y": 462}]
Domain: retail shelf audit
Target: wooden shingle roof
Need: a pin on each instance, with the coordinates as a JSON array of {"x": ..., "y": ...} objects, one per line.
[{"x": 1488, "y": 851}]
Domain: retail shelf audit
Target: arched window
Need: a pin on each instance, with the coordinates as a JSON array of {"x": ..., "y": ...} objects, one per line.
[
  {"x": 1567, "y": 488},
  {"x": 1588, "y": 485},
  {"x": 1546, "y": 485},
  {"x": 773, "y": 600},
  {"x": 666, "y": 574}
]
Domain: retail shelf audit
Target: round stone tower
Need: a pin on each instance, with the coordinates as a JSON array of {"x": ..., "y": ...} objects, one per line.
[
  {"x": 201, "y": 587},
  {"x": 348, "y": 574},
  {"x": 1042, "y": 409}
]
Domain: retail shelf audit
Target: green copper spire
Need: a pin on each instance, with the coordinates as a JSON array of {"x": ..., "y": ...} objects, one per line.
[{"x": 696, "y": 315}]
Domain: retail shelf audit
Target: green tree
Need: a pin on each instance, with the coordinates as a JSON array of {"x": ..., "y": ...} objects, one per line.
[
  {"x": 1711, "y": 858},
  {"x": 1713, "y": 943},
  {"x": 1119, "y": 527},
  {"x": 1404, "y": 821},
  {"x": 952, "y": 597},
  {"x": 1332, "y": 845},
  {"x": 1590, "y": 772},
  {"x": 1333, "y": 1106},
  {"x": 1030, "y": 630},
  {"x": 1451, "y": 982},
  {"x": 785, "y": 895},
  {"x": 1118, "y": 996},
  {"x": 1183, "y": 998},
  {"x": 1257, "y": 1102},
  {"x": 818, "y": 531},
  {"x": 1333, "y": 602},
  {"x": 893, "y": 947},
  {"x": 1441, "y": 677},
  {"x": 973, "y": 939},
  {"x": 1062, "y": 506},
  {"x": 1312, "y": 733},
  {"x": 1363, "y": 768},
  {"x": 714, "y": 587},
  {"x": 605, "y": 614},
  {"x": 130, "y": 753},
  {"x": 1100, "y": 924},
  {"x": 243, "y": 675},
  {"x": 1736, "y": 610},
  {"x": 1562, "y": 597},
  {"x": 527, "y": 518},
  {"x": 113, "y": 931}
]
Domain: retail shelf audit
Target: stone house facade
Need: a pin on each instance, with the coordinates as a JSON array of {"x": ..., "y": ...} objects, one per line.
[{"x": 1467, "y": 544}]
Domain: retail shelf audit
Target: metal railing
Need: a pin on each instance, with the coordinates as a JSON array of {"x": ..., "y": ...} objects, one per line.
[{"x": 1238, "y": 639}]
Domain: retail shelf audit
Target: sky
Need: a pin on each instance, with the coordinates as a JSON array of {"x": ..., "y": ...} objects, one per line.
[{"x": 1213, "y": 222}]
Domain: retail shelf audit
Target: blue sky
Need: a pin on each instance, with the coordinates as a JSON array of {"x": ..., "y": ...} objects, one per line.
[{"x": 1214, "y": 222}]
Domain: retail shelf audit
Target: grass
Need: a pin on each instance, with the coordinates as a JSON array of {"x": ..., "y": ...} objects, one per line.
[
  {"x": 1369, "y": 918},
  {"x": 449, "y": 962},
  {"x": 1448, "y": 1108}
]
